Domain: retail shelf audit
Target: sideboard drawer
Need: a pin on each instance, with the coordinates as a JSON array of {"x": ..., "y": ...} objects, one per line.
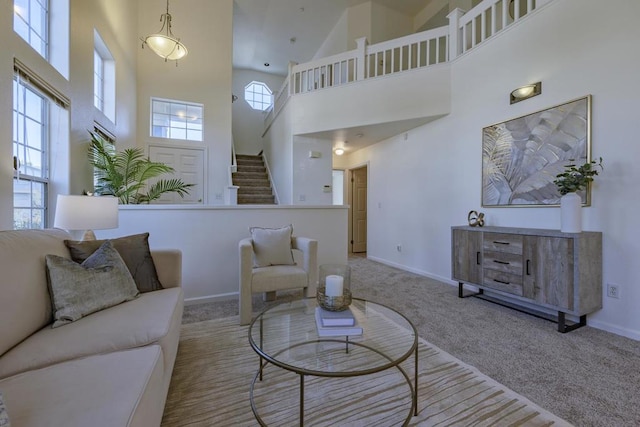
[
  {"x": 505, "y": 262},
  {"x": 505, "y": 282},
  {"x": 499, "y": 242}
]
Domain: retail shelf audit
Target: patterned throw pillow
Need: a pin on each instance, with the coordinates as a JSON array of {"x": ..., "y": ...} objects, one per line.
[
  {"x": 135, "y": 253},
  {"x": 272, "y": 246},
  {"x": 4, "y": 416},
  {"x": 78, "y": 290}
]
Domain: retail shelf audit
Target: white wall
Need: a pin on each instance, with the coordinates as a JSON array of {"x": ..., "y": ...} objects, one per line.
[
  {"x": 337, "y": 41},
  {"x": 388, "y": 24},
  {"x": 310, "y": 175},
  {"x": 203, "y": 76},
  {"x": 248, "y": 124},
  {"x": 278, "y": 150},
  {"x": 208, "y": 238},
  {"x": 419, "y": 188}
]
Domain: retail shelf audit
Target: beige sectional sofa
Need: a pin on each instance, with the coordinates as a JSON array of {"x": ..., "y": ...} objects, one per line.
[{"x": 110, "y": 368}]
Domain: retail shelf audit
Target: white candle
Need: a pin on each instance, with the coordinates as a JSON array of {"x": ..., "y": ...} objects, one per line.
[{"x": 333, "y": 286}]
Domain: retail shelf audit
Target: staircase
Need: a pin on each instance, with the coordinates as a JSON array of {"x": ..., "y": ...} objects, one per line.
[{"x": 252, "y": 178}]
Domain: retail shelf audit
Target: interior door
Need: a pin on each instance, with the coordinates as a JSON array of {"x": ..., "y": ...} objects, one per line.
[
  {"x": 359, "y": 210},
  {"x": 189, "y": 166}
]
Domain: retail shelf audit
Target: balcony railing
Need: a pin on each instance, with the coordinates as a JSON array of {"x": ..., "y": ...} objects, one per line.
[{"x": 427, "y": 48}]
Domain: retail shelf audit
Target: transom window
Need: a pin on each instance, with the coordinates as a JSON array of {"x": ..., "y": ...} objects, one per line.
[
  {"x": 258, "y": 96},
  {"x": 30, "y": 21},
  {"x": 176, "y": 119},
  {"x": 30, "y": 146}
]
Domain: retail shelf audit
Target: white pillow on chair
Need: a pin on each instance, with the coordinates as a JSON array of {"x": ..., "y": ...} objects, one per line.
[{"x": 272, "y": 246}]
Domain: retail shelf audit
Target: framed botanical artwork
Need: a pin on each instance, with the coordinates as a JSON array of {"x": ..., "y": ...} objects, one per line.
[{"x": 521, "y": 157}]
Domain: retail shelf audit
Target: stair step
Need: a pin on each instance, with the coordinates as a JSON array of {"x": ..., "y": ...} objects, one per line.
[
  {"x": 254, "y": 190},
  {"x": 256, "y": 200},
  {"x": 249, "y": 175},
  {"x": 251, "y": 168},
  {"x": 251, "y": 182}
]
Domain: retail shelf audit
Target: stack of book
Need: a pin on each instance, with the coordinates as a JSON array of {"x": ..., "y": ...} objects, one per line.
[{"x": 336, "y": 323}]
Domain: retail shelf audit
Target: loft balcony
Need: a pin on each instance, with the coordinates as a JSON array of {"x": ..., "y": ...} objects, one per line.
[{"x": 392, "y": 86}]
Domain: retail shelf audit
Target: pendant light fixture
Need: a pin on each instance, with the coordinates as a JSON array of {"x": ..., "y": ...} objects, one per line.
[{"x": 164, "y": 43}]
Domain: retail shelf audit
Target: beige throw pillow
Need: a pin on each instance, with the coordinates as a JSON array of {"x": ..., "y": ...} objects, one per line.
[
  {"x": 77, "y": 290},
  {"x": 272, "y": 246}
]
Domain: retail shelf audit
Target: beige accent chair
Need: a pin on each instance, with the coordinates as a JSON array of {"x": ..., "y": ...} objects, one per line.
[{"x": 276, "y": 277}]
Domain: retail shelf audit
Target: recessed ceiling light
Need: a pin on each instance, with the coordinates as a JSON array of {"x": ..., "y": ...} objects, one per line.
[
  {"x": 266, "y": 64},
  {"x": 339, "y": 151}
]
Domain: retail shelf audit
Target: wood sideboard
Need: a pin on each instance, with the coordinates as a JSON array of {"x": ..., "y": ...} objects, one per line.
[{"x": 544, "y": 268}]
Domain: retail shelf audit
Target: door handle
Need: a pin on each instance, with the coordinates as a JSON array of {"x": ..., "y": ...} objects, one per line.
[{"x": 527, "y": 269}]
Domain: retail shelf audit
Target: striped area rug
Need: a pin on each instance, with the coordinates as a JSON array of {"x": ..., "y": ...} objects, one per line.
[{"x": 215, "y": 366}]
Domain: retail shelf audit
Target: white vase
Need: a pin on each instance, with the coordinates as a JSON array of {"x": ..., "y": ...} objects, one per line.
[{"x": 571, "y": 213}]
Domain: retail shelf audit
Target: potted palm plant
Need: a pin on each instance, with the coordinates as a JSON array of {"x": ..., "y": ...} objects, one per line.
[
  {"x": 569, "y": 183},
  {"x": 126, "y": 174}
]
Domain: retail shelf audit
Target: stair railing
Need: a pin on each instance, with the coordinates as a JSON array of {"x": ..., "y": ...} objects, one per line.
[
  {"x": 273, "y": 184},
  {"x": 232, "y": 190}
]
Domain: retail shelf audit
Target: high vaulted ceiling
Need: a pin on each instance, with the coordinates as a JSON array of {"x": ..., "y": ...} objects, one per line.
[{"x": 264, "y": 30}]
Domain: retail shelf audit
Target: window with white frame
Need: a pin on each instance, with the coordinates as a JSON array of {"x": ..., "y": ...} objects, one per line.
[
  {"x": 258, "y": 96},
  {"x": 30, "y": 147},
  {"x": 40, "y": 132},
  {"x": 31, "y": 22},
  {"x": 176, "y": 119},
  {"x": 104, "y": 79}
]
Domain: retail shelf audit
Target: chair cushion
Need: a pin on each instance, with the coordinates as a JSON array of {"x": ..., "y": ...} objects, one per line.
[
  {"x": 278, "y": 277},
  {"x": 272, "y": 246},
  {"x": 135, "y": 253},
  {"x": 100, "y": 282}
]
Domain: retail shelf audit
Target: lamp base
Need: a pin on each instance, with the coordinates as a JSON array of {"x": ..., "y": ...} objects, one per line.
[{"x": 89, "y": 235}]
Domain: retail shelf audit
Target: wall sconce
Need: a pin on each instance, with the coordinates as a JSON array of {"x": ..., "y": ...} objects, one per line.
[
  {"x": 339, "y": 151},
  {"x": 525, "y": 92}
]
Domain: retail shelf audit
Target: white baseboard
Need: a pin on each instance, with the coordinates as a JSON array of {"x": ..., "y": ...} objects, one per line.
[
  {"x": 211, "y": 298},
  {"x": 625, "y": 332},
  {"x": 446, "y": 280}
]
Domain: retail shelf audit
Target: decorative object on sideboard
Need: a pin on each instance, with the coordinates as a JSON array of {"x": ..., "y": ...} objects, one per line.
[
  {"x": 475, "y": 219},
  {"x": 166, "y": 45},
  {"x": 573, "y": 180},
  {"x": 522, "y": 156},
  {"x": 525, "y": 92},
  {"x": 334, "y": 283}
]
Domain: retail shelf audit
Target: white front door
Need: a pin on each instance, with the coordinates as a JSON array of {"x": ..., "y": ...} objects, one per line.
[{"x": 189, "y": 167}]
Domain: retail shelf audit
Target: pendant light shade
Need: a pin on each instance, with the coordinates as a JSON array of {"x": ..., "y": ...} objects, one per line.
[{"x": 164, "y": 43}]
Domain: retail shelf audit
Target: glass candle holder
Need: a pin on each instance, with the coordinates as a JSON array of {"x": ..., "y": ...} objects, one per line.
[{"x": 334, "y": 293}]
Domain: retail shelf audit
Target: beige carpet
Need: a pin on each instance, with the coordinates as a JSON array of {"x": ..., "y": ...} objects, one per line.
[{"x": 215, "y": 367}]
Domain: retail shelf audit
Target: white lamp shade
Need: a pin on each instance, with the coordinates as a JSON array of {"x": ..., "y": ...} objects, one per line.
[
  {"x": 166, "y": 46},
  {"x": 86, "y": 212}
]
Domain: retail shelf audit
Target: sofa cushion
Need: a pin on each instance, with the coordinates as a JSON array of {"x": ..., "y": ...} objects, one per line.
[
  {"x": 148, "y": 319},
  {"x": 123, "y": 388},
  {"x": 272, "y": 246},
  {"x": 135, "y": 252},
  {"x": 25, "y": 306},
  {"x": 278, "y": 277},
  {"x": 100, "y": 282}
]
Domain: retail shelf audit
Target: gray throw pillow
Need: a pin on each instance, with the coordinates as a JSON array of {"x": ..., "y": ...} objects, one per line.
[
  {"x": 4, "y": 416},
  {"x": 78, "y": 290},
  {"x": 272, "y": 246},
  {"x": 135, "y": 253}
]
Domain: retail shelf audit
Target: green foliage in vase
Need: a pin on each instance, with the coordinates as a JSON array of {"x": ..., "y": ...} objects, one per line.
[
  {"x": 576, "y": 178},
  {"x": 125, "y": 174}
]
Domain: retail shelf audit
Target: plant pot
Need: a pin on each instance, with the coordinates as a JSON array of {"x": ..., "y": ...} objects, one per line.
[{"x": 571, "y": 213}]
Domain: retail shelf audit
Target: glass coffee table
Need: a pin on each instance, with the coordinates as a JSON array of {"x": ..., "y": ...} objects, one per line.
[{"x": 286, "y": 336}]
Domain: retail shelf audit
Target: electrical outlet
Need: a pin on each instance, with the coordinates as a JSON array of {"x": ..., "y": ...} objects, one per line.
[
  {"x": 613, "y": 291},
  {"x": 399, "y": 248}
]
